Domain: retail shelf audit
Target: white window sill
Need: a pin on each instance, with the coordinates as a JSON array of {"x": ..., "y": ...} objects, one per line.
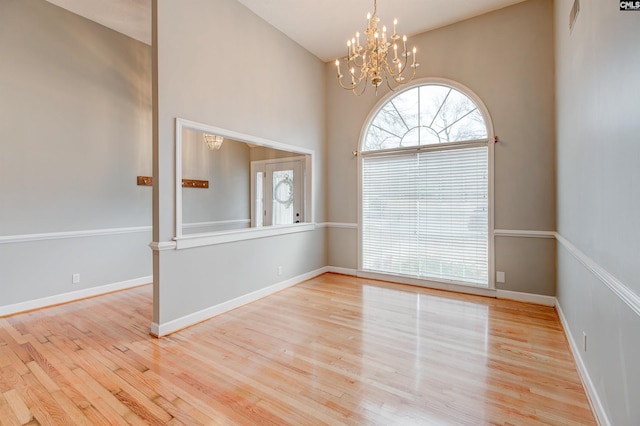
[{"x": 199, "y": 240}]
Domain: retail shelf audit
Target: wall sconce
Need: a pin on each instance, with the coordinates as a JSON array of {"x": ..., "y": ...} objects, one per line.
[{"x": 214, "y": 142}]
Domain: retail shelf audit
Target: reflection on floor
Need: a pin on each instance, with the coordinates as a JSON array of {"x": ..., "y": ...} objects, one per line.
[{"x": 332, "y": 350}]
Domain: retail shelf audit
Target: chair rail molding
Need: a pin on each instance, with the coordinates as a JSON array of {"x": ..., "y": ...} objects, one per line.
[
  {"x": 9, "y": 239},
  {"x": 343, "y": 225},
  {"x": 628, "y": 296}
]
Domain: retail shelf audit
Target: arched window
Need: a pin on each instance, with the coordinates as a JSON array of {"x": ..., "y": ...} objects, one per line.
[{"x": 425, "y": 186}]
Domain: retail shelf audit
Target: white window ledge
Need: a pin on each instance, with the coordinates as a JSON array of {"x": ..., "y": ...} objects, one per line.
[{"x": 199, "y": 240}]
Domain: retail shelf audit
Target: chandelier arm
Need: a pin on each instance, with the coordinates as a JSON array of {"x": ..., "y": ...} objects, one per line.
[
  {"x": 355, "y": 92},
  {"x": 354, "y": 88},
  {"x": 354, "y": 85},
  {"x": 390, "y": 70},
  {"x": 376, "y": 58},
  {"x": 364, "y": 87},
  {"x": 343, "y": 86},
  {"x": 393, "y": 89},
  {"x": 391, "y": 73},
  {"x": 355, "y": 63},
  {"x": 405, "y": 62}
]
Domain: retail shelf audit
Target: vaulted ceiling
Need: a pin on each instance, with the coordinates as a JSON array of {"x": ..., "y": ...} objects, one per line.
[{"x": 322, "y": 27}]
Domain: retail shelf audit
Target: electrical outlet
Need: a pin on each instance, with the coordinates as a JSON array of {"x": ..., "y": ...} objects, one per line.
[
  {"x": 500, "y": 276},
  {"x": 279, "y": 270},
  {"x": 75, "y": 279},
  {"x": 584, "y": 341}
]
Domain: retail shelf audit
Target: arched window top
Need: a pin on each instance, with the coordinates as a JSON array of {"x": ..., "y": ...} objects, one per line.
[{"x": 428, "y": 114}]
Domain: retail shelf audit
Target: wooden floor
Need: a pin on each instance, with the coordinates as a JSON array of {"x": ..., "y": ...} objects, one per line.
[{"x": 333, "y": 350}]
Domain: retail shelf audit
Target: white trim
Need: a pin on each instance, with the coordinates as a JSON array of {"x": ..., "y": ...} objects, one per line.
[
  {"x": 523, "y": 233},
  {"x": 337, "y": 225},
  {"x": 181, "y": 124},
  {"x": 279, "y": 160},
  {"x": 437, "y": 285},
  {"x": 301, "y": 167},
  {"x": 216, "y": 223},
  {"x": 199, "y": 240},
  {"x": 72, "y": 296},
  {"x": 538, "y": 299},
  {"x": 241, "y": 137},
  {"x": 490, "y": 166},
  {"x": 342, "y": 271},
  {"x": 160, "y": 330},
  {"x": 587, "y": 383},
  {"x": 163, "y": 245},
  {"x": 8, "y": 239},
  {"x": 628, "y": 296},
  {"x": 427, "y": 148}
]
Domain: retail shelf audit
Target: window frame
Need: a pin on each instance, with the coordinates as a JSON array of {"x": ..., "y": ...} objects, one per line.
[{"x": 489, "y": 142}]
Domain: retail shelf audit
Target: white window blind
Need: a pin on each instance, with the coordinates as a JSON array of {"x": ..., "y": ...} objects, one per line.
[{"x": 425, "y": 214}]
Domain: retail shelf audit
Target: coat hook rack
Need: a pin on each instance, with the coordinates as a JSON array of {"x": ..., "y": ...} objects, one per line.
[
  {"x": 145, "y": 181},
  {"x": 186, "y": 183},
  {"x": 193, "y": 183}
]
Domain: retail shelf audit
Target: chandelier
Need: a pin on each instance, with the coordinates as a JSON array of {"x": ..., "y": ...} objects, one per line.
[
  {"x": 377, "y": 59},
  {"x": 214, "y": 142}
]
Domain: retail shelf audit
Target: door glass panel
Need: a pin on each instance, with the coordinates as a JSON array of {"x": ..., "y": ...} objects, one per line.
[
  {"x": 283, "y": 197},
  {"x": 259, "y": 201}
]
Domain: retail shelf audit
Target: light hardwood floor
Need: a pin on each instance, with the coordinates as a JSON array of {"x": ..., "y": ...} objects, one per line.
[{"x": 332, "y": 350}]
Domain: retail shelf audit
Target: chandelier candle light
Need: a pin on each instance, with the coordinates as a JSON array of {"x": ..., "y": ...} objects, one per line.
[
  {"x": 214, "y": 142},
  {"x": 378, "y": 59}
]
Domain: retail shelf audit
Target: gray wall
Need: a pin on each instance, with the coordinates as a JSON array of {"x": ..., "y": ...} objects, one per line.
[
  {"x": 272, "y": 88},
  {"x": 263, "y": 153},
  {"x": 75, "y": 129},
  {"x": 228, "y": 197},
  {"x": 598, "y": 151},
  {"x": 75, "y": 121},
  {"x": 506, "y": 58}
]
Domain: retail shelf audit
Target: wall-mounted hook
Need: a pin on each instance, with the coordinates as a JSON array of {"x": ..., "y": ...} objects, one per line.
[
  {"x": 495, "y": 139},
  {"x": 145, "y": 180},
  {"x": 355, "y": 153},
  {"x": 192, "y": 183}
]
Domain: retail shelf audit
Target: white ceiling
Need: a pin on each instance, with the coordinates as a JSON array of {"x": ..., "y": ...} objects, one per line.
[
  {"x": 320, "y": 26},
  {"x": 130, "y": 17}
]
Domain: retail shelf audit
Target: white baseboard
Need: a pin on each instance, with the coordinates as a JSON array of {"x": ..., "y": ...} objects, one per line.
[
  {"x": 342, "y": 271},
  {"x": 436, "y": 285},
  {"x": 538, "y": 299},
  {"x": 159, "y": 330},
  {"x": 72, "y": 296},
  {"x": 592, "y": 394}
]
